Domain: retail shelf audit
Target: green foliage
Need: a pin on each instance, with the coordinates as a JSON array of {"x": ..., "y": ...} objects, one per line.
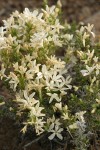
[{"x": 53, "y": 95}]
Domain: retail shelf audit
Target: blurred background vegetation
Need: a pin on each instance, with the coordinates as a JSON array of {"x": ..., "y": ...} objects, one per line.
[{"x": 72, "y": 10}]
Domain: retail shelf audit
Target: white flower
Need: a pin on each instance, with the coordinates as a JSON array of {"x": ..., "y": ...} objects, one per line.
[
  {"x": 56, "y": 131},
  {"x": 39, "y": 75},
  {"x": 56, "y": 77},
  {"x": 68, "y": 81},
  {"x": 2, "y": 39},
  {"x": 29, "y": 74},
  {"x": 95, "y": 59},
  {"x": 90, "y": 54},
  {"x": 33, "y": 66},
  {"x": 35, "y": 14},
  {"x": 3, "y": 43},
  {"x": 97, "y": 69},
  {"x": 98, "y": 104},
  {"x": 80, "y": 116},
  {"x": 68, "y": 37},
  {"x": 53, "y": 121},
  {"x": 59, "y": 3},
  {"x": 39, "y": 125},
  {"x": 65, "y": 108},
  {"x": 58, "y": 105},
  {"x": 38, "y": 39},
  {"x": 54, "y": 96},
  {"x": 56, "y": 27},
  {"x": 49, "y": 11},
  {"x": 75, "y": 88},
  {"x": 85, "y": 36},
  {"x": 81, "y": 126},
  {"x": 2, "y": 103},
  {"x": 2, "y": 72},
  {"x": 2, "y": 31},
  {"x": 63, "y": 85},
  {"x": 88, "y": 71},
  {"x": 56, "y": 40},
  {"x": 73, "y": 126},
  {"x": 13, "y": 80},
  {"x": 65, "y": 113},
  {"x": 81, "y": 31},
  {"x": 57, "y": 63},
  {"x": 36, "y": 85},
  {"x": 65, "y": 116},
  {"x": 28, "y": 58},
  {"x": 36, "y": 111},
  {"x": 28, "y": 101},
  {"x": 45, "y": 71},
  {"x": 8, "y": 24},
  {"x": 89, "y": 29},
  {"x": 24, "y": 129},
  {"x": 49, "y": 85},
  {"x": 16, "y": 66},
  {"x": 22, "y": 70},
  {"x": 98, "y": 101}
]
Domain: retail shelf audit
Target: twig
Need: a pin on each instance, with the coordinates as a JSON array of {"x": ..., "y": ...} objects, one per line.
[
  {"x": 95, "y": 143},
  {"x": 51, "y": 145},
  {"x": 62, "y": 144},
  {"x": 65, "y": 147},
  {"x": 69, "y": 133},
  {"x": 34, "y": 141}
]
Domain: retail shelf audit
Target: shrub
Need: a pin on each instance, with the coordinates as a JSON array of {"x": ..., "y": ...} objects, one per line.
[{"x": 53, "y": 94}]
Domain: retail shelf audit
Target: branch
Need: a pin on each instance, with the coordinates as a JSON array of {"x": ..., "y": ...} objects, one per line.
[
  {"x": 34, "y": 141},
  {"x": 65, "y": 147},
  {"x": 60, "y": 143}
]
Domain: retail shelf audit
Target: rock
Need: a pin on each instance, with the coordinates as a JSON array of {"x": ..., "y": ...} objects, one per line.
[{"x": 86, "y": 12}]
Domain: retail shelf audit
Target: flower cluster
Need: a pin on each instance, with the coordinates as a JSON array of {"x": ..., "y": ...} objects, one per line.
[
  {"x": 26, "y": 38},
  {"x": 31, "y": 32},
  {"x": 49, "y": 90}
]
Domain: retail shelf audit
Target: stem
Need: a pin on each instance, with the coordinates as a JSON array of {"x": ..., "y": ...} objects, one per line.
[
  {"x": 60, "y": 143},
  {"x": 65, "y": 147},
  {"x": 34, "y": 141},
  {"x": 40, "y": 95},
  {"x": 69, "y": 133}
]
